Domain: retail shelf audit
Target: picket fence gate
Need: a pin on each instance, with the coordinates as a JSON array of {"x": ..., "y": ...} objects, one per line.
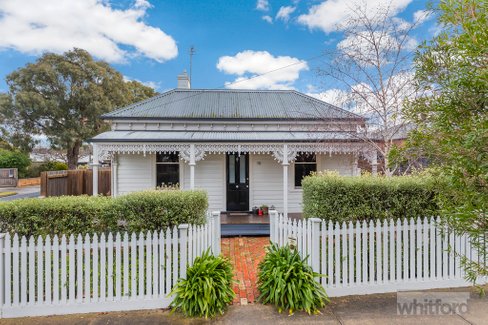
[
  {"x": 98, "y": 273},
  {"x": 366, "y": 258}
]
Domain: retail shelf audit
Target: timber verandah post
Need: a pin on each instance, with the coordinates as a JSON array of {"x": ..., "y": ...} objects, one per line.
[
  {"x": 192, "y": 166},
  {"x": 95, "y": 164},
  {"x": 285, "y": 164}
]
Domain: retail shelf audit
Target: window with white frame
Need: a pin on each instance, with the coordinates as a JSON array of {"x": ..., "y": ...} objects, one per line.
[
  {"x": 167, "y": 169},
  {"x": 305, "y": 164}
]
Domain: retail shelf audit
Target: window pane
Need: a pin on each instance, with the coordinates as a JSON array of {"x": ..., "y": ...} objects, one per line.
[
  {"x": 232, "y": 169},
  {"x": 167, "y": 157},
  {"x": 167, "y": 174},
  {"x": 242, "y": 172},
  {"x": 305, "y": 157},
  {"x": 302, "y": 170}
]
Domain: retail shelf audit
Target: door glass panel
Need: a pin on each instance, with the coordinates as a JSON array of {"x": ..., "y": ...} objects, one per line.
[
  {"x": 232, "y": 169},
  {"x": 242, "y": 171}
]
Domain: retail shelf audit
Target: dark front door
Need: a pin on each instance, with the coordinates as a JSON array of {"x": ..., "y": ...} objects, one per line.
[{"x": 238, "y": 182}]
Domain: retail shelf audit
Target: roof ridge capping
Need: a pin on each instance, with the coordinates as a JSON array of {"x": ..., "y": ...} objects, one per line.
[{"x": 230, "y": 90}]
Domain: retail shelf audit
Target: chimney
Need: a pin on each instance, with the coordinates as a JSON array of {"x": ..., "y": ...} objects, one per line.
[{"x": 183, "y": 81}]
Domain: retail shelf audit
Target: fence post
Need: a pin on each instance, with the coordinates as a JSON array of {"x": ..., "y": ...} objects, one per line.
[
  {"x": 2, "y": 272},
  {"x": 273, "y": 219},
  {"x": 216, "y": 236},
  {"x": 315, "y": 247},
  {"x": 183, "y": 236}
]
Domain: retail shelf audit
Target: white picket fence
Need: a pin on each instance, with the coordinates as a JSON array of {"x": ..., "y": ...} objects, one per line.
[
  {"x": 97, "y": 273},
  {"x": 364, "y": 258}
]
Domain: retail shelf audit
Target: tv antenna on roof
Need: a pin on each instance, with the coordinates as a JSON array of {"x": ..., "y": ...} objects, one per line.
[{"x": 192, "y": 53}]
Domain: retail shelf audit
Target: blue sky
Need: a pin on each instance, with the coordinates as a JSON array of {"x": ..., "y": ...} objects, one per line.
[{"x": 149, "y": 40}]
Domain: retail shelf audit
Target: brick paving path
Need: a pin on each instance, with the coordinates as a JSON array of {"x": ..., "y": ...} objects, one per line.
[{"x": 245, "y": 253}]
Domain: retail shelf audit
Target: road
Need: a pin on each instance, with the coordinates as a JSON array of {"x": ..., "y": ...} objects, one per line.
[{"x": 22, "y": 193}]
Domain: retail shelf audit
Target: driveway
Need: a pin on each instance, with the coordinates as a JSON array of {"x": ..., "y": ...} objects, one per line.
[{"x": 22, "y": 192}]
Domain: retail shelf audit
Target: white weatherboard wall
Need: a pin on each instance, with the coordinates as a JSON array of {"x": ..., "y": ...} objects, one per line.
[
  {"x": 209, "y": 176},
  {"x": 266, "y": 179},
  {"x": 136, "y": 173}
]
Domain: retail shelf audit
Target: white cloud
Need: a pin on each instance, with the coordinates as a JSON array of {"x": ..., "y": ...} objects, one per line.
[
  {"x": 284, "y": 13},
  {"x": 363, "y": 99},
  {"x": 363, "y": 47},
  {"x": 401, "y": 25},
  {"x": 333, "y": 96},
  {"x": 262, "y": 5},
  {"x": 248, "y": 64},
  {"x": 267, "y": 19},
  {"x": 114, "y": 35},
  {"x": 366, "y": 101},
  {"x": 435, "y": 29},
  {"x": 153, "y": 84},
  {"x": 421, "y": 16},
  {"x": 366, "y": 48},
  {"x": 327, "y": 15}
]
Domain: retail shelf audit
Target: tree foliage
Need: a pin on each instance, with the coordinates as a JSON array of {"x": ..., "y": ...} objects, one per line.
[
  {"x": 452, "y": 119},
  {"x": 62, "y": 97},
  {"x": 14, "y": 159}
]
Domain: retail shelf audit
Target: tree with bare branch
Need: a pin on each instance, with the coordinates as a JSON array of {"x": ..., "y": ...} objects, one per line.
[{"x": 371, "y": 70}]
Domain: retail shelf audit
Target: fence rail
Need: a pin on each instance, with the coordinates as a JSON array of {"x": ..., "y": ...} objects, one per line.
[
  {"x": 100, "y": 272},
  {"x": 363, "y": 258}
]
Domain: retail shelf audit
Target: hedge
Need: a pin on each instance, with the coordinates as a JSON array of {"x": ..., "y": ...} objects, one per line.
[
  {"x": 141, "y": 211},
  {"x": 347, "y": 198}
]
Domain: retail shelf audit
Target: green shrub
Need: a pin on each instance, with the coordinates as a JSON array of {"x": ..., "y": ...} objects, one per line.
[
  {"x": 141, "y": 211},
  {"x": 207, "y": 289},
  {"x": 161, "y": 209},
  {"x": 347, "y": 198},
  {"x": 14, "y": 159},
  {"x": 288, "y": 282},
  {"x": 35, "y": 170}
]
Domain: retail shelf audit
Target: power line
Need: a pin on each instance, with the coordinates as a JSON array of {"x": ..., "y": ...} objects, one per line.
[{"x": 242, "y": 80}]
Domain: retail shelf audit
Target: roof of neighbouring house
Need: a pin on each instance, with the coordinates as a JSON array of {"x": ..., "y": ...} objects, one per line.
[{"x": 230, "y": 104}]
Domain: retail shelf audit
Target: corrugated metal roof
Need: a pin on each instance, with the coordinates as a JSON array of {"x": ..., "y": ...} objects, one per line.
[
  {"x": 196, "y": 136},
  {"x": 231, "y": 104}
]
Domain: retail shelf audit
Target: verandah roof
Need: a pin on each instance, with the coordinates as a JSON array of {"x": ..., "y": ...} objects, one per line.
[{"x": 206, "y": 136}]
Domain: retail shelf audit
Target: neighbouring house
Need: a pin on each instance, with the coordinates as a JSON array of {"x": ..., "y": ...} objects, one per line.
[
  {"x": 244, "y": 147},
  {"x": 398, "y": 135},
  {"x": 44, "y": 154}
]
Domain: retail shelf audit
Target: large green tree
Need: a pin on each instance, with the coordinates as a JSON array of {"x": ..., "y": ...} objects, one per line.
[
  {"x": 62, "y": 97},
  {"x": 452, "y": 119}
]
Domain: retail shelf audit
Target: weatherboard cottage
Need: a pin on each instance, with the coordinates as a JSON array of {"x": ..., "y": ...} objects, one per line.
[{"x": 244, "y": 147}]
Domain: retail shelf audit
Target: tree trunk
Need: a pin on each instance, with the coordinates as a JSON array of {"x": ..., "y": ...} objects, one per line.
[
  {"x": 73, "y": 153},
  {"x": 387, "y": 169},
  {"x": 386, "y": 160}
]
